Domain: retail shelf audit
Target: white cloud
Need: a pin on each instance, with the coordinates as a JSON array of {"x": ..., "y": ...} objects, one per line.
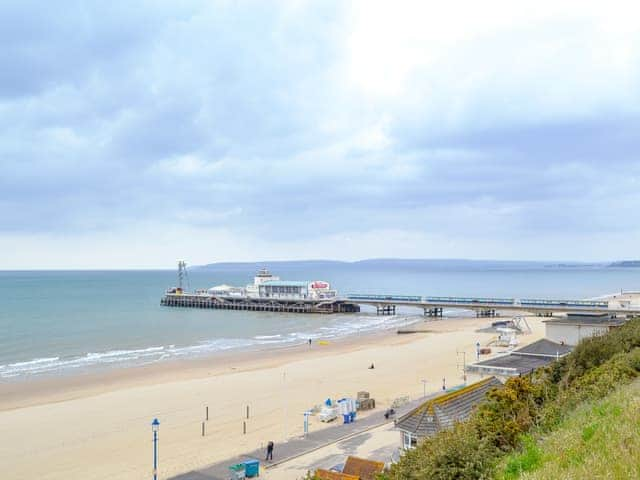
[{"x": 444, "y": 128}]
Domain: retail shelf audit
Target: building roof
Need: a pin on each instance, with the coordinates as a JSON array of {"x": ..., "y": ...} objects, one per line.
[
  {"x": 285, "y": 283},
  {"x": 323, "y": 474},
  {"x": 445, "y": 410},
  {"x": 263, "y": 272},
  {"x": 523, "y": 360},
  {"x": 362, "y": 468},
  {"x": 577, "y": 320},
  {"x": 510, "y": 364},
  {"x": 544, "y": 347}
]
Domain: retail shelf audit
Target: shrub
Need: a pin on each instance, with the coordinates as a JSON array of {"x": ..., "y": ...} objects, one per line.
[
  {"x": 459, "y": 453},
  {"x": 593, "y": 352},
  {"x": 509, "y": 412}
]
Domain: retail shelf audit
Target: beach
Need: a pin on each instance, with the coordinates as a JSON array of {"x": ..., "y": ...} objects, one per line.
[{"x": 98, "y": 426}]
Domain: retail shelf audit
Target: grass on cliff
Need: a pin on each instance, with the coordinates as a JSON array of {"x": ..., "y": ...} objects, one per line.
[{"x": 600, "y": 439}]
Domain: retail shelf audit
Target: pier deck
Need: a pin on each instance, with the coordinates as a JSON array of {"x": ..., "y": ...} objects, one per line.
[
  {"x": 283, "y": 305},
  {"x": 488, "y": 306},
  {"x": 387, "y": 304}
]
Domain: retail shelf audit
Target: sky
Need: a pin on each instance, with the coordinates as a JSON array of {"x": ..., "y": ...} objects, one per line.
[{"x": 134, "y": 134}]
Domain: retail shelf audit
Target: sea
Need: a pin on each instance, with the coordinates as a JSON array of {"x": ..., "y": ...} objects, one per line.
[{"x": 72, "y": 322}]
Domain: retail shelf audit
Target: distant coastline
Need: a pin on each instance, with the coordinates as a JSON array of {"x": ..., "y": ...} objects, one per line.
[
  {"x": 626, "y": 264},
  {"x": 412, "y": 263},
  {"x": 390, "y": 262}
]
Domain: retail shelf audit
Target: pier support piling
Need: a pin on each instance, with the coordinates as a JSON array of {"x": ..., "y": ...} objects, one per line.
[{"x": 385, "y": 309}]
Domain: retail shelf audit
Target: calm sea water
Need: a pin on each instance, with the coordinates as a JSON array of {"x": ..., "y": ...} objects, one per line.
[{"x": 70, "y": 322}]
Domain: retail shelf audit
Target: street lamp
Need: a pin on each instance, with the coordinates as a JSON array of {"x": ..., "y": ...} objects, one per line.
[
  {"x": 424, "y": 387},
  {"x": 154, "y": 427}
]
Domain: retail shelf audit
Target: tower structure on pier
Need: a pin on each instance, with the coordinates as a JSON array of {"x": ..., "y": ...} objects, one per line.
[{"x": 183, "y": 279}]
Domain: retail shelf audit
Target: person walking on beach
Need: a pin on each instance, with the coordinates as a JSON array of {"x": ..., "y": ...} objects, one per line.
[{"x": 269, "y": 451}]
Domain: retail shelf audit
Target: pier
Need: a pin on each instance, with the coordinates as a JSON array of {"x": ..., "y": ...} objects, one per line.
[
  {"x": 388, "y": 304},
  {"x": 487, "y": 307},
  {"x": 282, "y": 305},
  {"x": 268, "y": 293}
]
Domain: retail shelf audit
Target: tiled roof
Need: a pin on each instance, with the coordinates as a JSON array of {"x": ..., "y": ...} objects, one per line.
[
  {"x": 445, "y": 410},
  {"x": 362, "y": 468},
  {"x": 323, "y": 474}
]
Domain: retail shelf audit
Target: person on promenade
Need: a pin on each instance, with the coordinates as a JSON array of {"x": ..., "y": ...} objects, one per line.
[{"x": 269, "y": 451}]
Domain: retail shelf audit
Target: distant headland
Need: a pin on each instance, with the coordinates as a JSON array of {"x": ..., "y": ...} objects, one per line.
[{"x": 412, "y": 263}]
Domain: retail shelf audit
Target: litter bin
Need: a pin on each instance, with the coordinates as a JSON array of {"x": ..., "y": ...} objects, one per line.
[
  {"x": 252, "y": 468},
  {"x": 237, "y": 471}
]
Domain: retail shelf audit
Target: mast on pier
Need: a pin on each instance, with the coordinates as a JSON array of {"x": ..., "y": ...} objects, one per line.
[{"x": 183, "y": 278}]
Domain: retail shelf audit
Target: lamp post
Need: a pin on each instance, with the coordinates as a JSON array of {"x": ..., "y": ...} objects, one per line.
[
  {"x": 154, "y": 427},
  {"x": 424, "y": 387}
]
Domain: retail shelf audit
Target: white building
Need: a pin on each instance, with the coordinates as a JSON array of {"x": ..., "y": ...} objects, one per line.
[
  {"x": 577, "y": 326},
  {"x": 266, "y": 285}
]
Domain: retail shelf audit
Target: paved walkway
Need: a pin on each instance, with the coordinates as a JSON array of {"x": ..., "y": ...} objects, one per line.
[{"x": 298, "y": 446}]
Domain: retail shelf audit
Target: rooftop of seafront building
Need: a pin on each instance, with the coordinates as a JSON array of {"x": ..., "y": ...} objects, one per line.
[
  {"x": 524, "y": 360},
  {"x": 603, "y": 319},
  {"x": 285, "y": 283},
  {"x": 445, "y": 410},
  {"x": 544, "y": 347}
]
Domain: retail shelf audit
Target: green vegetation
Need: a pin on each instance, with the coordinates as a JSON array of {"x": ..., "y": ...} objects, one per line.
[
  {"x": 600, "y": 439},
  {"x": 511, "y": 434}
]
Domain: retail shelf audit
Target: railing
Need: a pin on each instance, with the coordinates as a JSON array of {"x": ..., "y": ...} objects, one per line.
[
  {"x": 393, "y": 298},
  {"x": 418, "y": 299},
  {"x": 563, "y": 303},
  {"x": 499, "y": 301},
  {"x": 465, "y": 301},
  {"x": 526, "y": 302}
]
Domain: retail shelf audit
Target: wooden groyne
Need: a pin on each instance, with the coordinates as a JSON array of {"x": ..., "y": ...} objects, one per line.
[{"x": 259, "y": 304}]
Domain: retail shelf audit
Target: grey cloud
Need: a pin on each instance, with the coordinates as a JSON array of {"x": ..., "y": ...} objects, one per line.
[{"x": 241, "y": 115}]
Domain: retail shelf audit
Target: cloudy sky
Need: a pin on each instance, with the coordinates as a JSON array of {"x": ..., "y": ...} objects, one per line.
[{"x": 138, "y": 133}]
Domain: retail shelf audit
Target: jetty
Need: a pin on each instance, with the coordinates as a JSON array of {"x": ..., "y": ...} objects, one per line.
[
  {"x": 282, "y": 305},
  {"x": 490, "y": 307},
  {"x": 268, "y": 293},
  {"x": 387, "y": 304}
]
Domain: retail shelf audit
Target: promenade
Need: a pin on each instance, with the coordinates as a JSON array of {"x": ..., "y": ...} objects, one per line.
[{"x": 296, "y": 447}]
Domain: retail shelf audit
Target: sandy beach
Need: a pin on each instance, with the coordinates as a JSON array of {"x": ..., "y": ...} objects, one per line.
[{"x": 98, "y": 426}]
